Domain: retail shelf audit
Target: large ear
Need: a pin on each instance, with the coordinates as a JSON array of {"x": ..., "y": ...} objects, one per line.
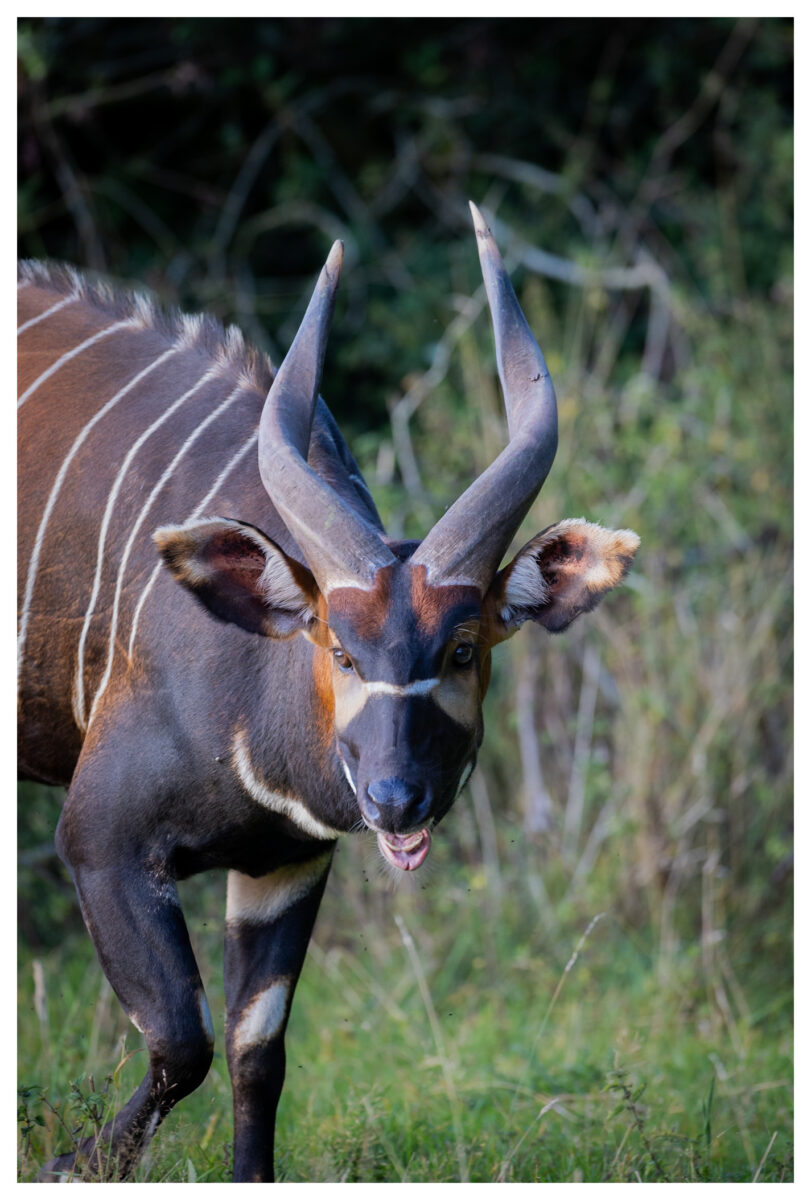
[
  {"x": 240, "y": 575},
  {"x": 560, "y": 573}
]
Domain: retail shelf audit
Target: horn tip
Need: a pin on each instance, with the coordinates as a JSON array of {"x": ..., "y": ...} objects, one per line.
[
  {"x": 479, "y": 223},
  {"x": 335, "y": 257}
]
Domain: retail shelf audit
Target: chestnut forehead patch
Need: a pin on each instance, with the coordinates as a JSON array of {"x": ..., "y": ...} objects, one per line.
[
  {"x": 396, "y": 632},
  {"x": 439, "y": 609}
]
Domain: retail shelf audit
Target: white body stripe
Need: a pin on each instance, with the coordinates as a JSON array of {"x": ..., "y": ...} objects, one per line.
[
  {"x": 285, "y": 806},
  {"x": 130, "y": 323},
  {"x": 210, "y": 374},
  {"x": 263, "y": 1018},
  {"x": 190, "y": 440},
  {"x": 33, "y": 564},
  {"x": 223, "y": 475},
  {"x": 260, "y": 901},
  {"x": 48, "y": 312}
]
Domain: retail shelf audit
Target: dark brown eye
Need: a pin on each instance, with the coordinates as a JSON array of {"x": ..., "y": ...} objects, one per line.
[
  {"x": 342, "y": 660},
  {"x": 463, "y": 654}
]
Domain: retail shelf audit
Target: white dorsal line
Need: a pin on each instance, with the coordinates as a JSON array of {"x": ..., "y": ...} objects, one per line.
[
  {"x": 210, "y": 374},
  {"x": 201, "y": 507},
  {"x": 420, "y": 687},
  {"x": 130, "y": 323},
  {"x": 285, "y": 806},
  {"x": 33, "y": 564},
  {"x": 91, "y": 608},
  {"x": 47, "y": 313}
]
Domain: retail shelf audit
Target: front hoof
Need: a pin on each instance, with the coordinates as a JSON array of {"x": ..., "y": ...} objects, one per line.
[{"x": 60, "y": 1170}]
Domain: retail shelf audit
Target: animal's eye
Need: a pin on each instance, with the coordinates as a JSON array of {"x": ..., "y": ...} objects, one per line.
[
  {"x": 463, "y": 654},
  {"x": 342, "y": 660}
]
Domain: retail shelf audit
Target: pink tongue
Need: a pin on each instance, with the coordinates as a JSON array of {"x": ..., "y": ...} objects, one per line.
[{"x": 406, "y": 851}]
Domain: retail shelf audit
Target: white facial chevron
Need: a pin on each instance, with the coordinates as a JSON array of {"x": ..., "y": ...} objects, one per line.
[{"x": 420, "y": 687}]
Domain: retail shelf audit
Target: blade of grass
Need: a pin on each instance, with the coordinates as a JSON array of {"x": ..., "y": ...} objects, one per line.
[{"x": 439, "y": 1042}]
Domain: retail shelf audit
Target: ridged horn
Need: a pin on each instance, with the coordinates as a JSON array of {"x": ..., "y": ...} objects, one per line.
[
  {"x": 341, "y": 549},
  {"x": 467, "y": 544}
]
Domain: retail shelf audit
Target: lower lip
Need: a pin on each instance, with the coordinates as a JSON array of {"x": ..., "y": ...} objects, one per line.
[{"x": 407, "y": 854}]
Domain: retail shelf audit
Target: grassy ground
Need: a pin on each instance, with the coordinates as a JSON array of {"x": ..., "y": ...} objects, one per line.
[{"x": 429, "y": 1044}]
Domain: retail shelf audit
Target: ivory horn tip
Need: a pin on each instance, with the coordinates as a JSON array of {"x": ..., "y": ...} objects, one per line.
[{"x": 479, "y": 223}]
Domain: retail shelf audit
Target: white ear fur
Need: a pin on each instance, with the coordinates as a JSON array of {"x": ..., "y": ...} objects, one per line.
[
  {"x": 526, "y": 589},
  {"x": 574, "y": 584},
  {"x": 280, "y": 588}
]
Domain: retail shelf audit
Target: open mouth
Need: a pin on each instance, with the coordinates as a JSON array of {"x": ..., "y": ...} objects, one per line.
[{"x": 405, "y": 850}]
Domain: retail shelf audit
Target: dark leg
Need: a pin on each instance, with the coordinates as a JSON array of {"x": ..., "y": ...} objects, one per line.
[
  {"x": 134, "y": 918},
  {"x": 269, "y": 921}
]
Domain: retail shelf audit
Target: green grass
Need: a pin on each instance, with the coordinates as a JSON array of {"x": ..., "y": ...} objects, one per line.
[{"x": 426, "y": 1044}]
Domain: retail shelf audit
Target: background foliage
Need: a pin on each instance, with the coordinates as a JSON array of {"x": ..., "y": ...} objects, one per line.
[{"x": 636, "y": 775}]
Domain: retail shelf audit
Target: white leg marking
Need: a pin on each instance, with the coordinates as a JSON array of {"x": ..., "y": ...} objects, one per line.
[
  {"x": 205, "y": 1016},
  {"x": 264, "y": 1016},
  {"x": 286, "y": 806},
  {"x": 108, "y": 512},
  {"x": 51, "y": 501},
  {"x": 130, "y": 323},
  {"x": 48, "y": 311},
  {"x": 224, "y": 473},
  {"x": 260, "y": 901},
  {"x": 79, "y": 682}
]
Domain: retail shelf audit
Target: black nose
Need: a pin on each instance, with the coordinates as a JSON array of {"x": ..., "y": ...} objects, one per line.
[{"x": 396, "y": 804}]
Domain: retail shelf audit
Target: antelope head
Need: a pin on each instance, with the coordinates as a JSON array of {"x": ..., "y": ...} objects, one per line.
[{"x": 403, "y": 632}]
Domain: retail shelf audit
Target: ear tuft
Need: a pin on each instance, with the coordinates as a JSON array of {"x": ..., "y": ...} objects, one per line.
[{"x": 563, "y": 572}]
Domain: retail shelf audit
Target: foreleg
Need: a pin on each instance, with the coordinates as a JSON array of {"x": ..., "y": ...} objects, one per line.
[
  {"x": 132, "y": 912},
  {"x": 269, "y": 921}
]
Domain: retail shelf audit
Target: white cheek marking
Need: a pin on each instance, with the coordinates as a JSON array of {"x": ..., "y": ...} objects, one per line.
[
  {"x": 262, "y": 900},
  {"x": 205, "y": 1016},
  {"x": 285, "y": 806},
  {"x": 468, "y": 771},
  {"x": 264, "y": 1017},
  {"x": 349, "y": 778},
  {"x": 136, "y": 1022},
  {"x": 459, "y": 698}
]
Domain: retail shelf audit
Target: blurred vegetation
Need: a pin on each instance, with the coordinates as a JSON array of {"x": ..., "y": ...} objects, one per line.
[{"x": 638, "y": 174}]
